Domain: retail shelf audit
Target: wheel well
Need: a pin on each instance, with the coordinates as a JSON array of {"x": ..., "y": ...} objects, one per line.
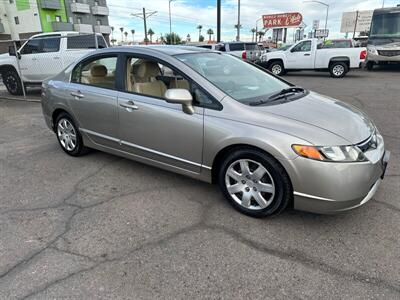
[
  {"x": 5, "y": 68},
  {"x": 223, "y": 153},
  {"x": 275, "y": 60},
  {"x": 343, "y": 59},
  {"x": 54, "y": 116}
]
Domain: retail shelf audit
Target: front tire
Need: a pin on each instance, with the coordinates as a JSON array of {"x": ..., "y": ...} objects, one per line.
[
  {"x": 12, "y": 81},
  {"x": 69, "y": 136},
  {"x": 277, "y": 68},
  {"x": 338, "y": 69},
  {"x": 254, "y": 183}
]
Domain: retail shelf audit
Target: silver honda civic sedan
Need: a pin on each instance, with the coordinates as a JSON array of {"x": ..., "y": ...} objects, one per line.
[{"x": 267, "y": 143}]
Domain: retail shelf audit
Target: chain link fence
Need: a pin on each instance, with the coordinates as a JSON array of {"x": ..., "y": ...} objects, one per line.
[{"x": 26, "y": 63}]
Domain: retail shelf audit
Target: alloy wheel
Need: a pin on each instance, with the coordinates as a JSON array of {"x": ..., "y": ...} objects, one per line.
[
  {"x": 66, "y": 134},
  {"x": 338, "y": 70},
  {"x": 11, "y": 83},
  {"x": 276, "y": 69},
  {"x": 250, "y": 184}
]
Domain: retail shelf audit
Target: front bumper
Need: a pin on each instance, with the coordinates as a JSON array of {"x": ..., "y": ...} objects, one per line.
[
  {"x": 378, "y": 58},
  {"x": 335, "y": 187}
]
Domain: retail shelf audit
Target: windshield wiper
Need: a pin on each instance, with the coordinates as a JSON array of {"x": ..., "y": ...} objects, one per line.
[
  {"x": 284, "y": 92},
  {"x": 281, "y": 94}
]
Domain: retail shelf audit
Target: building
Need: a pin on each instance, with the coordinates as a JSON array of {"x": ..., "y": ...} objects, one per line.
[{"x": 19, "y": 19}]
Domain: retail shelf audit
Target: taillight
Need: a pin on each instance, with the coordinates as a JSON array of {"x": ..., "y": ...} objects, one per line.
[
  {"x": 363, "y": 54},
  {"x": 244, "y": 55}
]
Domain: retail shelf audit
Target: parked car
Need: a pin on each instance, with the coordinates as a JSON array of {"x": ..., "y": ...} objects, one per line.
[
  {"x": 216, "y": 118},
  {"x": 247, "y": 51},
  {"x": 338, "y": 43},
  {"x": 310, "y": 55},
  {"x": 44, "y": 55}
]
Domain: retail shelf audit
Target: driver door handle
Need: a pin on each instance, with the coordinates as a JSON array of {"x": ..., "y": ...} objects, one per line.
[
  {"x": 77, "y": 94},
  {"x": 307, "y": 54},
  {"x": 129, "y": 105}
]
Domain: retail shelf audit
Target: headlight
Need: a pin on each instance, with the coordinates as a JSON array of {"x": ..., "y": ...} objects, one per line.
[
  {"x": 372, "y": 50},
  {"x": 330, "y": 153},
  {"x": 263, "y": 58}
]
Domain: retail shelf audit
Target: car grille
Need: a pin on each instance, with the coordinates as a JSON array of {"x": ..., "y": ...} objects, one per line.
[
  {"x": 370, "y": 143},
  {"x": 389, "y": 52}
]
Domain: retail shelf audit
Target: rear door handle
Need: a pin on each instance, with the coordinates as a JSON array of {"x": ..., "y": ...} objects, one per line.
[
  {"x": 77, "y": 95},
  {"x": 129, "y": 105},
  {"x": 34, "y": 59},
  {"x": 307, "y": 54},
  {"x": 56, "y": 57}
]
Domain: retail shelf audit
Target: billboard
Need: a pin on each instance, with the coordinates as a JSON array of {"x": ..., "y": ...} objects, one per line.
[
  {"x": 284, "y": 20},
  {"x": 364, "y": 19}
]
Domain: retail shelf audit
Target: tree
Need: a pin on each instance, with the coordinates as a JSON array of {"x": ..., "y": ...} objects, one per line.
[
  {"x": 126, "y": 35},
  {"x": 210, "y": 32},
  {"x": 253, "y": 31},
  {"x": 133, "y": 35},
  {"x": 173, "y": 38},
  {"x": 112, "y": 32},
  {"x": 201, "y": 38},
  {"x": 260, "y": 35},
  {"x": 150, "y": 32},
  {"x": 122, "y": 33},
  {"x": 200, "y": 27}
]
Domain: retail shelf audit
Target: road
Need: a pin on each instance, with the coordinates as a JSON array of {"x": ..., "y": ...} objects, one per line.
[{"x": 104, "y": 227}]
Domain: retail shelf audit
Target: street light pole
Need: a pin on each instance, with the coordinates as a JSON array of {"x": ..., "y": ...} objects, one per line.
[
  {"x": 327, "y": 10},
  {"x": 257, "y": 24},
  {"x": 170, "y": 22}
]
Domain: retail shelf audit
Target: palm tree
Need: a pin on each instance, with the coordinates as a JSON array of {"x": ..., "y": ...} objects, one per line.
[
  {"x": 150, "y": 32},
  {"x": 253, "y": 31},
  {"x": 133, "y": 35},
  {"x": 122, "y": 33},
  {"x": 237, "y": 27},
  {"x": 210, "y": 32},
  {"x": 199, "y": 27},
  {"x": 112, "y": 32},
  {"x": 260, "y": 35},
  {"x": 126, "y": 35}
]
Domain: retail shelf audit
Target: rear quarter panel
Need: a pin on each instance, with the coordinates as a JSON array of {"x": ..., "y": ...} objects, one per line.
[{"x": 324, "y": 56}]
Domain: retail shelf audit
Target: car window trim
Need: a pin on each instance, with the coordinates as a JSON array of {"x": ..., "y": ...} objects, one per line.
[
  {"x": 125, "y": 55},
  {"x": 96, "y": 57}
]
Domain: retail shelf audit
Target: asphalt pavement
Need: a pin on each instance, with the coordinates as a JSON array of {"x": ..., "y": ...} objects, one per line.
[{"x": 103, "y": 227}]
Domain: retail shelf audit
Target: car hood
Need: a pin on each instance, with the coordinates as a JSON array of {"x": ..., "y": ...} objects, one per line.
[{"x": 330, "y": 115}]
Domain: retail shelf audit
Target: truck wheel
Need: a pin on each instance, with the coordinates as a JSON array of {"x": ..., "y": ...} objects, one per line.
[
  {"x": 338, "y": 69},
  {"x": 277, "y": 68},
  {"x": 370, "y": 65},
  {"x": 12, "y": 82}
]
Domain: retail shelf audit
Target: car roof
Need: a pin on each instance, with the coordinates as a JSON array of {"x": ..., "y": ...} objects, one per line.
[{"x": 166, "y": 49}]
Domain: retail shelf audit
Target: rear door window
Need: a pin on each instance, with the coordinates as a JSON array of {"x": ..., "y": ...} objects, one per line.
[
  {"x": 85, "y": 42},
  {"x": 236, "y": 47}
]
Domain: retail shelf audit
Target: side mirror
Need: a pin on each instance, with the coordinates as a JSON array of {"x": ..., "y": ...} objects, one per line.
[{"x": 181, "y": 96}]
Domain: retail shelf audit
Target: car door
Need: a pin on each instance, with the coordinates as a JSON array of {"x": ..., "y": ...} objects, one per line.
[
  {"x": 49, "y": 60},
  {"x": 150, "y": 127},
  {"x": 28, "y": 62},
  {"x": 92, "y": 96},
  {"x": 300, "y": 56}
]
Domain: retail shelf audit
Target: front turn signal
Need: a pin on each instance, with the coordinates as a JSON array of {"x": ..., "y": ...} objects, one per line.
[{"x": 308, "y": 152}]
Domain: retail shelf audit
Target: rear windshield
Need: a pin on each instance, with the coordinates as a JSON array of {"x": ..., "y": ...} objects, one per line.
[{"x": 85, "y": 42}]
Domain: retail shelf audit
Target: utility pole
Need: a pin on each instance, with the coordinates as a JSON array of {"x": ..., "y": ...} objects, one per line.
[
  {"x": 170, "y": 22},
  {"x": 218, "y": 21},
  {"x": 144, "y": 16},
  {"x": 238, "y": 23},
  {"x": 355, "y": 25}
]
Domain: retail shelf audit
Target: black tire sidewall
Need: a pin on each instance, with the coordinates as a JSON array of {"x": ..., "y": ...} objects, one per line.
[
  {"x": 346, "y": 69},
  {"x": 17, "y": 79},
  {"x": 79, "y": 149},
  {"x": 283, "y": 189}
]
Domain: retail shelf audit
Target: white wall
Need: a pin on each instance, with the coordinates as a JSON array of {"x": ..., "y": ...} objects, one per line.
[{"x": 29, "y": 20}]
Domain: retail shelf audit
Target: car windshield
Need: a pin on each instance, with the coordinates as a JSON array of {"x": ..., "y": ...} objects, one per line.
[{"x": 240, "y": 80}]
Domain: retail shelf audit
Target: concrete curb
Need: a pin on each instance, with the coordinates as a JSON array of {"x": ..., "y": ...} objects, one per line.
[{"x": 19, "y": 99}]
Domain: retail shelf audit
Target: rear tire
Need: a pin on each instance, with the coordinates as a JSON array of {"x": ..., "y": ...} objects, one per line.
[
  {"x": 277, "y": 68},
  {"x": 338, "y": 69},
  {"x": 370, "y": 65},
  {"x": 258, "y": 189},
  {"x": 69, "y": 136},
  {"x": 12, "y": 81}
]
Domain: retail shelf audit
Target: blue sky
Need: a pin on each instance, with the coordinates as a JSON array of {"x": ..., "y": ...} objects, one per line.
[{"x": 187, "y": 14}]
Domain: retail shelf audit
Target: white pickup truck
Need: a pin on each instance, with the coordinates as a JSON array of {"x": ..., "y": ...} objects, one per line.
[
  {"x": 310, "y": 54},
  {"x": 44, "y": 55}
]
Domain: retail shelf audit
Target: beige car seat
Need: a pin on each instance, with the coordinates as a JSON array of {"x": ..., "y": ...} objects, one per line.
[{"x": 146, "y": 82}]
